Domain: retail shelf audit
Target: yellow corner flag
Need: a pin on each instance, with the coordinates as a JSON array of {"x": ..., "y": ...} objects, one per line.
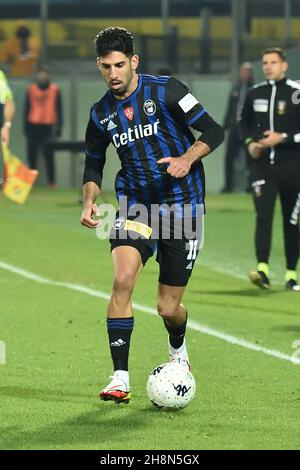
[{"x": 18, "y": 178}]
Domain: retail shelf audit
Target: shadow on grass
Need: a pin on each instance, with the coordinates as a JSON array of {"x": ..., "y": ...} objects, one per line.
[
  {"x": 293, "y": 328},
  {"x": 237, "y": 292},
  {"x": 39, "y": 394},
  {"x": 105, "y": 426},
  {"x": 100, "y": 428},
  {"x": 267, "y": 302}
]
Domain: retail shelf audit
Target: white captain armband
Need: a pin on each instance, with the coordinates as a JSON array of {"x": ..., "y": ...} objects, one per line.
[{"x": 188, "y": 102}]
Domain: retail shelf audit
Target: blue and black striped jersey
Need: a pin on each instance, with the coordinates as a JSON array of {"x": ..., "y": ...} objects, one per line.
[{"x": 152, "y": 123}]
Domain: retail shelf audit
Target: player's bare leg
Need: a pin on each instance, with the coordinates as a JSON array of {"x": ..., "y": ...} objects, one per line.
[
  {"x": 174, "y": 315},
  {"x": 127, "y": 265}
]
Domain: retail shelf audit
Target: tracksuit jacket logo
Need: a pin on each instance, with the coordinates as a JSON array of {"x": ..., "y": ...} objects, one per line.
[{"x": 137, "y": 132}]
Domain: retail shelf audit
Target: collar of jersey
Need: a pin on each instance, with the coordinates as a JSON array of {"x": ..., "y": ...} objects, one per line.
[
  {"x": 279, "y": 82},
  {"x": 140, "y": 80}
]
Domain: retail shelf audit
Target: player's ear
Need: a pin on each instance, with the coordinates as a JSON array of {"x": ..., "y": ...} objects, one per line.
[
  {"x": 98, "y": 62},
  {"x": 285, "y": 66},
  {"x": 135, "y": 61}
]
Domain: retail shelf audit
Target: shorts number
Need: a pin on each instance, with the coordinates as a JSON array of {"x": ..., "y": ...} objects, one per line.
[{"x": 193, "y": 249}]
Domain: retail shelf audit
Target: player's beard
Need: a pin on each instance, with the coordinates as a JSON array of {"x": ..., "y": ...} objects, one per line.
[
  {"x": 121, "y": 91},
  {"x": 124, "y": 88}
]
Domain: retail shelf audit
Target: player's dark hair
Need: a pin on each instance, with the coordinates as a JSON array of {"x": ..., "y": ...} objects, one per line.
[
  {"x": 275, "y": 50},
  {"x": 114, "y": 39}
]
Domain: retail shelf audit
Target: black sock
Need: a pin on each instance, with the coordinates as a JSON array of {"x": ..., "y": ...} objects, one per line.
[
  {"x": 176, "y": 334},
  {"x": 119, "y": 333}
]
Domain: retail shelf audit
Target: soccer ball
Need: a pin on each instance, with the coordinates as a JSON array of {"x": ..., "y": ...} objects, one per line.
[{"x": 171, "y": 386}]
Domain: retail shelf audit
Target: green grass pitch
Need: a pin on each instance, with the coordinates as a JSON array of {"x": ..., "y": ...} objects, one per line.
[{"x": 57, "y": 355}]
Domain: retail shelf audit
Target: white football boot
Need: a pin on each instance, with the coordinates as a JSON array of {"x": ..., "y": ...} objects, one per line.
[{"x": 118, "y": 390}]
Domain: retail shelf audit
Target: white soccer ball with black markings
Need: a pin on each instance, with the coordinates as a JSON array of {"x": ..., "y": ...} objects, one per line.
[{"x": 171, "y": 386}]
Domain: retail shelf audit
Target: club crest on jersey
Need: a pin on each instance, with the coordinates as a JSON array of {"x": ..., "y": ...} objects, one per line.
[
  {"x": 281, "y": 107},
  {"x": 119, "y": 223},
  {"x": 149, "y": 107},
  {"x": 129, "y": 113}
]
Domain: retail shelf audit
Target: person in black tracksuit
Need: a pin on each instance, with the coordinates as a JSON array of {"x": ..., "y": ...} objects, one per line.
[
  {"x": 235, "y": 144},
  {"x": 270, "y": 125}
]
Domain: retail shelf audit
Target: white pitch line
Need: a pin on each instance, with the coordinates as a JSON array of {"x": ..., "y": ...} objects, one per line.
[{"x": 143, "y": 308}]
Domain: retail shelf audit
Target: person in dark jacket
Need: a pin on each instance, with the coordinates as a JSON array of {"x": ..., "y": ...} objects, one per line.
[
  {"x": 42, "y": 121},
  {"x": 235, "y": 145},
  {"x": 270, "y": 125}
]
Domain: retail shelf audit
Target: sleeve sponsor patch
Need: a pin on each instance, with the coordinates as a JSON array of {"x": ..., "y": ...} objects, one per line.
[{"x": 188, "y": 102}]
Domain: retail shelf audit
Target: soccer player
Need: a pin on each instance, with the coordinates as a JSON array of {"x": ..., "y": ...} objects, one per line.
[
  {"x": 270, "y": 124},
  {"x": 147, "y": 119}
]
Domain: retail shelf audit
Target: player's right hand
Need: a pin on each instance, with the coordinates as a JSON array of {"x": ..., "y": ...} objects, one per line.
[
  {"x": 256, "y": 150},
  {"x": 88, "y": 214}
]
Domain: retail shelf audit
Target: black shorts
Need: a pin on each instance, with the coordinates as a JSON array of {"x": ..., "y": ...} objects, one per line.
[{"x": 176, "y": 241}]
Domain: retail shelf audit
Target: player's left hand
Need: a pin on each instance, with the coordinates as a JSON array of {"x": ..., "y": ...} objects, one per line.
[
  {"x": 178, "y": 167},
  {"x": 271, "y": 139}
]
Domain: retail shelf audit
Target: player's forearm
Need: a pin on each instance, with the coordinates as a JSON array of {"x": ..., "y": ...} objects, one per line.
[
  {"x": 245, "y": 132},
  {"x": 246, "y": 124},
  {"x": 90, "y": 193},
  {"x": 211, "y": 137},
  {"x": 197, "y": 151}
]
